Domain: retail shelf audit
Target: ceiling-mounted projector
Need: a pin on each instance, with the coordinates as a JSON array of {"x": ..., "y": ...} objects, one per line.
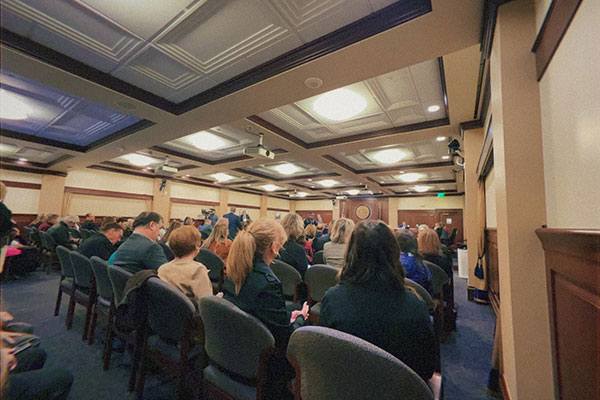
[
  {"x": 259, "y": 151},
  {"x": 165, "y": 170}
]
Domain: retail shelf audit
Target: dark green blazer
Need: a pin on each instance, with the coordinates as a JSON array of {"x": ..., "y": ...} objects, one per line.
[
  {"x": 139, "y": 253},
  {"x": 261, "y": 295},
  {"x": 61, "y": 234},
  {"x": 97, "y": 245}
]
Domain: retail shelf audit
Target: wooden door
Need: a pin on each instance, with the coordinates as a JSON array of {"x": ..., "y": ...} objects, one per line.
[
  {"x": 453, "y": 218},
  {"x": 364, "y": 209}
]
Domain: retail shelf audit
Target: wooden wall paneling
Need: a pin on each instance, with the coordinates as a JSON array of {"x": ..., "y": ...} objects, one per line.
[
  {"x": 442, "y": 215},
  {"x": 23, "y": 219},
  {"x": 491, "y": 237},
  {"x": 573, "y": 279},
  {"x": 417, "y": 217},
  {"x": 327, "y": 215},
  {"x": 378, "y": 209}
]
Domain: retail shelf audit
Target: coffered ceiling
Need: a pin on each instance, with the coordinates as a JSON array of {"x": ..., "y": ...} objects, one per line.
[{"x": 116, "y": 86}]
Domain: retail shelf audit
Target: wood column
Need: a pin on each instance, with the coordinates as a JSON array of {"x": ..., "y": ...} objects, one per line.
[
  {"x": 223, "y": 208},
  {"x": 473, "y": 141},
  {"x": 393, "y": 211},
  {"x": 521, "y": 205},
  {"x": 161, "y": 198},
  {"x": 264, "y": 203},
  {"x": 51, "y": 195}
]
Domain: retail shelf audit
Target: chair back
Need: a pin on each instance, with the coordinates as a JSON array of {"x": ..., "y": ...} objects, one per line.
[
  {"x": 234, "y": 338},
  {"x": 288, "y": 275},
  {"x": 213, "y": 262},
  {"x": 47, "y": 241},
  {"x": 318, "y": 257},
  {"x": 421, "y": 291},
  {"x": 66, "y": 266},
  {"x": 82, "y": 266},
  {"x": 169, "y": 310},
  {"x": 368, "y": 372},
  {"x": 439, "y": 277},
  {"x": 103, "y": 285},
  {"x": 319, "y": 278},
  {"x": 118, "y": 279}
]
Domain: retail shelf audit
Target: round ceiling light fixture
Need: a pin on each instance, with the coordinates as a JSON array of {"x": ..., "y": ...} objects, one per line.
[
  {"x": 206, "y": 141},
  {"x": 433, "y": 108},
  {"x": 139, "y": 159},
  {"x": 286, "y": 169},
  {"x": 313, "y": 82},
  {"x": 389, "y": 156},
  {"x": 340, "y": 104},
  {"x": 410, "y": 177},
  {"x": 421, "y": 189},
  {"x": 11, "y": 107}
]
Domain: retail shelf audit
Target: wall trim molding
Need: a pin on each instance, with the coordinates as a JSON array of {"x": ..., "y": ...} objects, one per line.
[
  {"x": 22, "y": 185},
  {"x": 243, "y": 206},
  {"x": 179, "y": 200},
  {"x": 555, "y": 26},
  {"x": 278, "y": 209},
  {"x": 107, "y": 193},
  {"x": 19, "y": 168}
]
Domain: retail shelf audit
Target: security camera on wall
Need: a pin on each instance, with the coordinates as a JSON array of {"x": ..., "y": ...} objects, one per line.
[{"x": 456, "y": 153}]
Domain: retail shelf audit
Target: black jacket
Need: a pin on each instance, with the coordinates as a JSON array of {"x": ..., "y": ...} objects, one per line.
[
  {"x": 61, "y": 234},
  {"x": 293, "y": 253},
  {"x": 262, "y": 296},
  {"x": 89, "y": 225},
  {"x": 97, "y": 245}
]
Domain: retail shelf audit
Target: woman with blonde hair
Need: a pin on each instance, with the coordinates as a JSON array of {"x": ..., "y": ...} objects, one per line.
[
  {"x": 164, "y": 240},
  {"x": 217, "y": 241},
  {"x": 251, "y": 284},
  {"x": 309, "y": 235},
  {"x": 334, "y": 251},
  {"x": 292, "y": 251},
  {"x": 430, "y": 249}
]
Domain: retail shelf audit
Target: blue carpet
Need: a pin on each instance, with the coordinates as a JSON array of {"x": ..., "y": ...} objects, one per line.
[{"x": 465, "y": 356}]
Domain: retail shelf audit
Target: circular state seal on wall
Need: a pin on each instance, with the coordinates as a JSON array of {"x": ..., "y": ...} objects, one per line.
[{"x": 363, "y": 212}]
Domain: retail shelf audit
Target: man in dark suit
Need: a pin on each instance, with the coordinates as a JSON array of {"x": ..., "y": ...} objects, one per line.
[
  {"x": 235, "y": 223},
  {"x": 61, "y": 232},
  {"x": 141, "y": 251},
  {"x": 102, "y": 244},
  {"x": 319, "y": 242},
  {"x": 88, "y": 223}
]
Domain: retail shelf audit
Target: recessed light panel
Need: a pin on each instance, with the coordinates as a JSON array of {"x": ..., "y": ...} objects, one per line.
[
  {"x": 389, "y": 156},
  {"x": 421, "y": 188},
  {"x": 433, "y": 108},
  {"x": 440, "y": 138},
  {"x": 270, "y": 188},
  {"x": 12, "y": 106},
  {"x": 353, "y": 192},
  {"x": 6, "y": 148},
  {"x": 286, "y": 169},
  {"x": 139, "y": 159},
  {"x": 222, "y": 177},
  {"x": 327, "y": 183},
  {"x": 340, "y": 104},
  {"x": 207, "y": 141},
  {"x": 410, "y": 177}
]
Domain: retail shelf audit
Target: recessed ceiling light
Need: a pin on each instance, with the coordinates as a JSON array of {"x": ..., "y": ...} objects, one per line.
[
  {"x": 222, "y": 177},
  {"x": 207, "y": 141},
  {"x": 440, "y": 138},
  {"x": 139, "y": 159},
  {"x": 7, "y": 148},
  {"x": 389, "y": 156},
  {"x": 286, "y": 169},
  {"x": 310, "y": 180},
  {"x": 327, "y": 183},
  {"x": 11, "y": 107},
  {"x": 187, "y": 176},
  {"x": 445, "y": 157},
  {"x": 353, "y": 192},
  {"x": 23, "y": 159},
  {"x": 270, "y": 188},
  {"x": 421, "y": 188},
  {"x": 411, "y": 177},
  {"x": 433, "y": 108},
  {"x": 340, "y": 104}
]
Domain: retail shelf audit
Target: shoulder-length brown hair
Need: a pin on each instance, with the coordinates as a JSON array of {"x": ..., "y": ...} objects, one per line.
[
  {"x": 429, "y": 242},
  {"x": 373, "y": 257},
  {"x": 218, "y": 234}
]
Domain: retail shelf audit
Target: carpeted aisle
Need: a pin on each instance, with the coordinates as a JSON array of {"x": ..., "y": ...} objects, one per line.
[{"x": 465, "y": 356}]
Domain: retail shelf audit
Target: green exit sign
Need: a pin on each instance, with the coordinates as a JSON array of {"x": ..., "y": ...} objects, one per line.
[{"x": 441, "y": 194}]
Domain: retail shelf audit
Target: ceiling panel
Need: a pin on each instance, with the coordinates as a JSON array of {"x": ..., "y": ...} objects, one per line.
[
  {"x": 49, "y": 113},
  {"x": 15, "y": 150},
  {"x": 177, "y": 49},
  {"x": 288, "y": 169},
  {"x": 391, "y": 100},
  {"x": 388, "y": 179}
]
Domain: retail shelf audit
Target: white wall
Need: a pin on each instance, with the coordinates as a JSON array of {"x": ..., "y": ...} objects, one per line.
[
  {"x": 102, "y": 180},
  {"x": 194, "y": 192},
  {"x": 273, "y": 202},
  {"x": 570, "y": 100},
  {"x": 304, "y": 205},
  {"x": 490, "y": 200},
  {"x": 105, "y": 206},
  {"x": 244, "y": 199},
  {"x": 20, "y": 200},
  {"x": 430, "y": 203}
]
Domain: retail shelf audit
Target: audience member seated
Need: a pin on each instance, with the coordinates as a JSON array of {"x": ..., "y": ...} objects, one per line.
[
  {"x": 88, "y": 223},
  {"x": 217, "y": 241},
  {"x": 292, "y": 251},
  {"x": 141, "y": 251},
  {"x": 163, "y": 242},
  {"x": 21, "y": 258},
  {"x": 310, "y": 219},
  {"x": 430, "y": 249},
  {"x": 371, "y": 302},
  {"x": 207, "y": 228},
  {"x": 102, "y": 243},
  {"x": 235, "y": 223},
  {"x": 412, "y": 260},
  {"x": 51, "y": 220},
  {"x": 61, "y": 232},
  {"x": 187, "y": 275},
  {"x": 251, "y": 284},
  {"x": 324, "y": 238},
  {"x": 38, "y": 221},
  {"x": 309, "y": 235},
  {"x": 334, "y": 251},
  {"x": 188, "y": 221}
]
